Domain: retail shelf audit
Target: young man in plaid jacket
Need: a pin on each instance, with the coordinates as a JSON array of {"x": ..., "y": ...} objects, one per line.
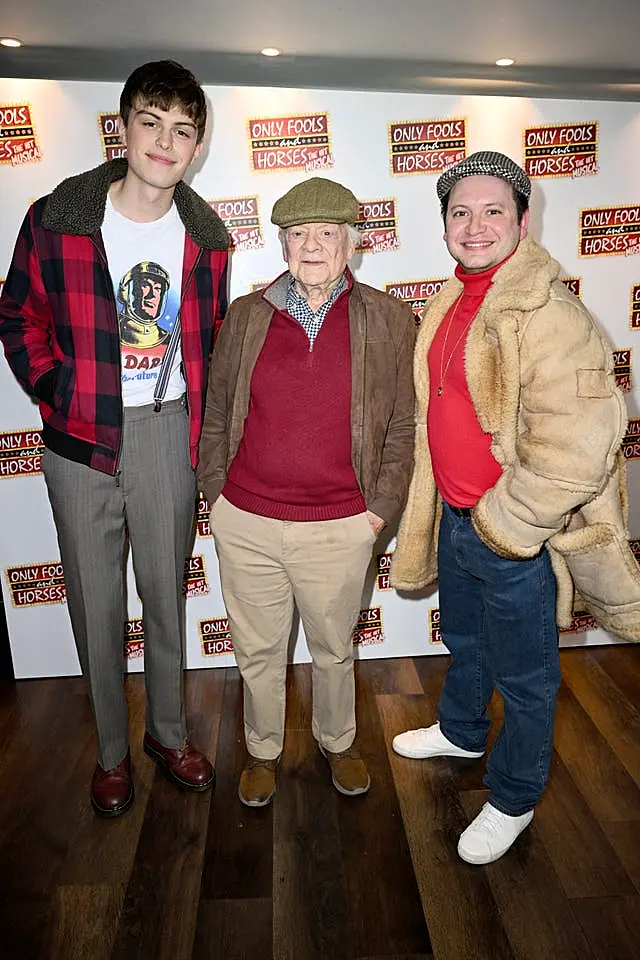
[{"x": 106, "y": 318}]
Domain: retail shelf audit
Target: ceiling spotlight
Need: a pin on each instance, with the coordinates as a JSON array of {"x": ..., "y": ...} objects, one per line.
[
  {"x": 10, "y": 42},
  {"x": 270, "y": 52},
  {"x": 505, "y": 62}
]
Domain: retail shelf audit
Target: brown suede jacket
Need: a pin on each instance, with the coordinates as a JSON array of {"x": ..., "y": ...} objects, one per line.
[{"x": 382, "y": 397}]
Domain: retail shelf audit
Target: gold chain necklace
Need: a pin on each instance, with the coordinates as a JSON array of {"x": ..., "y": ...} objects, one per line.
[{"x": 444, "y": 367}]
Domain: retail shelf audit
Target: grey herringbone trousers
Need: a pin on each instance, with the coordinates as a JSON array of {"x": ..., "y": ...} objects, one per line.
[{"x": 152, "y": 500}]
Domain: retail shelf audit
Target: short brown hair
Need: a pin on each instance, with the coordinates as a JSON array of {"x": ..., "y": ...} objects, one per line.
[
  {"x": 165, "y": 84},
  {"x": 521, "y": 202}
]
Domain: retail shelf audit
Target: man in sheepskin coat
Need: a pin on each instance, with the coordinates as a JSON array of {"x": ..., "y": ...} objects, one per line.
[{"x": 518, "y": 500}]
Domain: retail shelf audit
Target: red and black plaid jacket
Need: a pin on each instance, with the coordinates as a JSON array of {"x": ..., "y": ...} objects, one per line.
[{"x": 58, "y": 314}]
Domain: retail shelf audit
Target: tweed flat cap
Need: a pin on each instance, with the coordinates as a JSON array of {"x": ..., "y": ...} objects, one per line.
[
  {"x": 485, "y": 163},
  {"x": 315, "y": 201}
]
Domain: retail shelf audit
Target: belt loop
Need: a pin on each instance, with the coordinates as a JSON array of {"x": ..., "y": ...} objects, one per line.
[{"x": 463, "y": 512}]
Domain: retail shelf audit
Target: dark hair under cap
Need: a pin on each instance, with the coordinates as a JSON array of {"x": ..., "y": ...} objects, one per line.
[{"x": 485, "y": 163}]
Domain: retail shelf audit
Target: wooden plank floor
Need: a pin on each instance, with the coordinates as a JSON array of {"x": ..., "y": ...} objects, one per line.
[{"x": 318, "y": 876}]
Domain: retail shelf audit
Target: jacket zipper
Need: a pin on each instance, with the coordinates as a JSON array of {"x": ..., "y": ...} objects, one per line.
[
  {"x": 364, "y": 384},
  {"x": 118, "y": 452}
]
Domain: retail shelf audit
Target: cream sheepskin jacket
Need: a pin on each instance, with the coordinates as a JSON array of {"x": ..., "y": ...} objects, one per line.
[{"x": 541, "y": 379}]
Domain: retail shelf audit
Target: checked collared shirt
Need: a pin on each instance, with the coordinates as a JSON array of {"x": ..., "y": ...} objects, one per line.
[{"x": 299, "y": 309}]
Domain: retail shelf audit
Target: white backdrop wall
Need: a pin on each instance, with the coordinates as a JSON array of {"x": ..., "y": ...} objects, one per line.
[{"x": 389, "y": 149}]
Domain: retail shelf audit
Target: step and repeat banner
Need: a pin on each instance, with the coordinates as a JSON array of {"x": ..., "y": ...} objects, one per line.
[{"x": 389, "y": 149}]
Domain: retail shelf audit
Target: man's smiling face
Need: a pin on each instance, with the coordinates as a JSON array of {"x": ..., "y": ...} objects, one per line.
[
  {"x": 160, "y": 144},
  {"x": 481, "y": 226}
]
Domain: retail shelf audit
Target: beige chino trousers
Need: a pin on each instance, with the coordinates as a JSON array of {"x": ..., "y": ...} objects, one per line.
[{"x": 268, "y": 565}]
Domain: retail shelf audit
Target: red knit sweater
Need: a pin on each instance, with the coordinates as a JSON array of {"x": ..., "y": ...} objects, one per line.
[
  {"x": 294, "y": 460},
  {"x": 463, "y": 466}
]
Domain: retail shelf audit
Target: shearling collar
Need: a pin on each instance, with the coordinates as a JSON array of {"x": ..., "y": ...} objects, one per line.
[
  {"x": 523, "y": 283},
  {"x": 77, "y": 207}
]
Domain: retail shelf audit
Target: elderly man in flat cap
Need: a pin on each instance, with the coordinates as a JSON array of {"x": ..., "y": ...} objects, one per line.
[
  {"x": 517, "y": 478},
  {"x": 306, "y": 454}
]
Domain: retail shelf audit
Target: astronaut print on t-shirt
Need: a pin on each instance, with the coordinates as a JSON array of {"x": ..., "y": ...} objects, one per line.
[{"x": 147, "y": 311}]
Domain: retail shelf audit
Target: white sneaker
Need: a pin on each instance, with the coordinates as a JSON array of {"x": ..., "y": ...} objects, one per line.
[
  {"x": 429, "y": 742},
  {"x": 491, "y": 834}
]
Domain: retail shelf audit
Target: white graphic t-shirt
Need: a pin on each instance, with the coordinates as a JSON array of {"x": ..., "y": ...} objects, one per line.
[{"x": 145, "y": 263}]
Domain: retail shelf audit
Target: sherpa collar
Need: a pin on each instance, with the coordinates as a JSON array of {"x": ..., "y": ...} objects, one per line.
[
  {"x": 522, "y": 283},
  {"x": 77, "y": 207}
]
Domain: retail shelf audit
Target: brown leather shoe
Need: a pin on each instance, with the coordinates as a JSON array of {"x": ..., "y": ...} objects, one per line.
[
  {"x": 187, "y": 766},
  {"x": 112, "y": 790},
  {"x": 348, "y": 771},
  {"x": 257, "y": 782}
]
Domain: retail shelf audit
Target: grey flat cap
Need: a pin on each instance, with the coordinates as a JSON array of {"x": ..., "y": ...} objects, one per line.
[{"x": 485, "y": 163}]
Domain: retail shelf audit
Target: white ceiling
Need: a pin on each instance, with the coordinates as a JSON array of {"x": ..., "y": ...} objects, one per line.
[{"x": 562, "y": 48}]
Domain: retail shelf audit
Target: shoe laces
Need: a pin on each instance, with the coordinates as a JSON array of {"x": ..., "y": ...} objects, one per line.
[
  {"x": 349, "y": 754},
  {"x": 254, "y": 762},
  {"x": 490, "y": 819}
]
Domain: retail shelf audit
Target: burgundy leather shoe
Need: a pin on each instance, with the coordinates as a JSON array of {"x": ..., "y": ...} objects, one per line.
[
  {"x": 112, "y": 790},
  {"x": 186, "y": 766}
]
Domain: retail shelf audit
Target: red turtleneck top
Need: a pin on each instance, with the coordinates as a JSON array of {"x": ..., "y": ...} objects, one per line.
[{"x": 463, "y": 465}]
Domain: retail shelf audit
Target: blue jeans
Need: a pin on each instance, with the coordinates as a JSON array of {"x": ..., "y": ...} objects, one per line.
[{"x": 498, "y": 621}]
